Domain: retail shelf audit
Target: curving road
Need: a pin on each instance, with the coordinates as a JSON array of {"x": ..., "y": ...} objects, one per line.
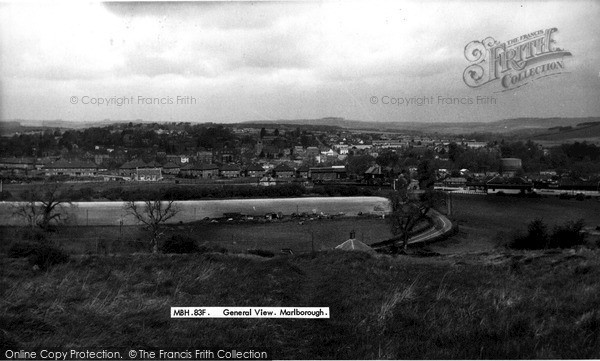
[{"x": 442, "y": 225}]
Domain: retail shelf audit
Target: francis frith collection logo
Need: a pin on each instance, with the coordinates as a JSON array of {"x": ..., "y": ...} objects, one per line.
[{"x": 515, "y": 62}]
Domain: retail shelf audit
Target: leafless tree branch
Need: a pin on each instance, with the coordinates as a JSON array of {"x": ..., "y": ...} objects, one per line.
[{"x": 153, "y": 214}]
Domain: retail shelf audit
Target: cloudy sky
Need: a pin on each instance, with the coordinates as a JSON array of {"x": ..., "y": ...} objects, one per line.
[{"x": 283, "y": 60}]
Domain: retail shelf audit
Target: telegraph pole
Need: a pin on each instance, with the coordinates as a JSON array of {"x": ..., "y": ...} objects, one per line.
[{"x": 121, "y": 228}]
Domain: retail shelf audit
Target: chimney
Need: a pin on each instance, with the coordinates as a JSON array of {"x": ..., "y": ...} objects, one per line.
[{"x": 352, "y": 234}]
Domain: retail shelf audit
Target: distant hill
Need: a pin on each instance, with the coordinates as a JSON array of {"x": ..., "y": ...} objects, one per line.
[
  {"x": 534, "y": 128},
  {"x": 523, "y": 126},
  {"x": 73, "y": 124},
  {"x": 9, "y": 127},
  {"x": 588, "y": 130}
]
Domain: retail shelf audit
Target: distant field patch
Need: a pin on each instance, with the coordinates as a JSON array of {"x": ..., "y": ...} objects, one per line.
[
  {"x": 482, "y": 218},
  {"x": 299, "y": 236}
]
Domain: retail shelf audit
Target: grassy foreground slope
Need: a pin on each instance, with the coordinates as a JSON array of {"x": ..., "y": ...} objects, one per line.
[{"x": 490, "y": 305}]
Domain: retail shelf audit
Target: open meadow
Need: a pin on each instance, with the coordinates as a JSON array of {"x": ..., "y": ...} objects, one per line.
[{"x": 491, "y": 306}]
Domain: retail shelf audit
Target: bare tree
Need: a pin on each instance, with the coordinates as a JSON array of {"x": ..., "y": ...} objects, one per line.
[
  {"x": 409, "y": 209},
  {"x": 406, "y": 214},
  {"x": 152, "y": 214},
  {"x": 43, "y": 208}
]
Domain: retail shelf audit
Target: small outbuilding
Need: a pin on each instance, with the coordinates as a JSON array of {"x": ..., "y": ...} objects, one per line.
[{"x": 353, "y": 244}]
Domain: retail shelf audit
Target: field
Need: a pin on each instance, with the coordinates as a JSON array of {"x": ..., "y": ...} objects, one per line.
[
  {"x": 590, "y": 133},
  {"x": 492, "y": 306},
  {"x": 485, "y": 220},
  {"x": 235, "y": 237}
]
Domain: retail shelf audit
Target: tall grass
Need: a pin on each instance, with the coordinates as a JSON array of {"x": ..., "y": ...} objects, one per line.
[{"x": 467, "y": 307}]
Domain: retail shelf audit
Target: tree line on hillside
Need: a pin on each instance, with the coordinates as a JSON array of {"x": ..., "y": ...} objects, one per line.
[
  {"x": 140, "y": 136},
  {"x": 578, "y": 159}
]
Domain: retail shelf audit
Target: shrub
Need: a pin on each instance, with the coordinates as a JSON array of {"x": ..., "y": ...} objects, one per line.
[
  {"x": 568, "y": 235},
  {"x": 180, "y": 244},
  {"x": 536, "y": 238},
  {"x": 39, "y": 254},
  {"x": 519, "y": 241},
  {"x": 537, "y": 232}
]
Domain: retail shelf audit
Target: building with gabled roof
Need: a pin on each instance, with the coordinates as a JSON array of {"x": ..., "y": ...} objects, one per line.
[
  {"x": 171, "y": 168},
  {"x": 200, "y": 170},
  {"x": 333, "y": 173},
  {"x": 75, "y": 168},
  {"x": 148, "y": 174},
  {"x": 508, "y": 185},
  {"x": 18, "y": 165},
  {"x": 267, "y": 181},
  {"x": 254, "y": 170},
  {"x": 374, "y": 173},
  {"x": 303, "y": 172},
  {"x": 230, "y": 171},
  {"x": 284, "y": 171}
]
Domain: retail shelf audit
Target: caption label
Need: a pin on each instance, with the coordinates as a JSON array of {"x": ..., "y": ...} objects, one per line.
[{"x": 249, "y": 312}]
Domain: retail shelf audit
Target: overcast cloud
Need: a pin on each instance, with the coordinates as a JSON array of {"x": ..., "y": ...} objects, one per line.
[{"x": 283, "y": 60}]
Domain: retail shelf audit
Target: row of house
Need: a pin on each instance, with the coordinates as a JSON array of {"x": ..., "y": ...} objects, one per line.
[
  {"x": 137, "y": 169},
  {"x": 281, "y": 171},
  {"x": 77, "y": 168}
]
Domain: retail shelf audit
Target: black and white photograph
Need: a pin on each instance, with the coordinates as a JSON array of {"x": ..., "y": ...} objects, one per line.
[{"x": 299, "y": 180}]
